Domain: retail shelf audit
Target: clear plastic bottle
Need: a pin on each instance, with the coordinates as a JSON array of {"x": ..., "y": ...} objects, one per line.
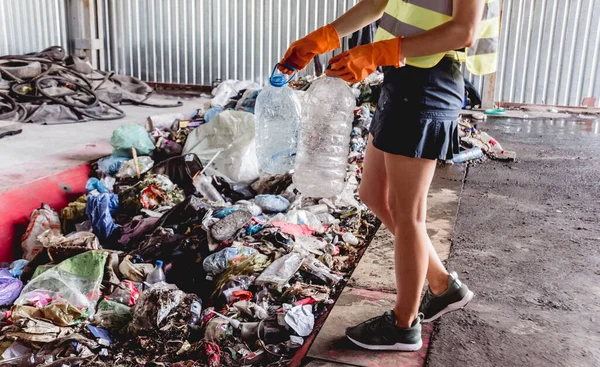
[
  {"x": 157, "y": 275},
  {"x": 277, "y": 116},
  {"x": 324, "y": 139},
  {"x": 204, "y": 186},
  {"x": 494, "y": 145},
  {"x": 468, "y": 155}
]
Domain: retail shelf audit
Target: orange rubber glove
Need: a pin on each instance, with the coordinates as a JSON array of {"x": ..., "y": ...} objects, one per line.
[
  {"x": 302, "y": 51},
  {"x": 359, "y": 62}
]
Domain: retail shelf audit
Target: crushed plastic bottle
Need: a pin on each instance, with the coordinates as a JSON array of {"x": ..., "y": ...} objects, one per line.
[
  {"x": 157, "y": 275},
  {"x": 324, "y": 138},
  {"x": 277, "y": 114}
]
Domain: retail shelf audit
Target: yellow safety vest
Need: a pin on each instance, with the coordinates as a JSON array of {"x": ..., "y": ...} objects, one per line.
[{"x": 411, "y": 17}]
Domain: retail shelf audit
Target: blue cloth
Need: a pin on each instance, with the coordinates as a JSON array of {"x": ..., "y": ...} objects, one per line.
[{"x": 100, "y": 209}]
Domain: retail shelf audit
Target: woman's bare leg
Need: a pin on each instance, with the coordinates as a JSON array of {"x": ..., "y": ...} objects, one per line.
[{"x": 374, "y": 193}]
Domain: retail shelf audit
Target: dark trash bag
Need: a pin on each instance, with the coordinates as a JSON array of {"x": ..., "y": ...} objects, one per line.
[
  {"x": 181, "y": 171},
  {"x": 189, "y": 212}
]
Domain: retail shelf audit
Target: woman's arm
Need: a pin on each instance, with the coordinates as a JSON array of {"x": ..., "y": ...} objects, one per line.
[
  {"x": 455, "y": 34},
  {"x": 359, "y": 16}
]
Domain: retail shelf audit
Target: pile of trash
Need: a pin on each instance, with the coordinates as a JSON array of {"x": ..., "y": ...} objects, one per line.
[
  {"x": 53, "y": 87},
  {"x": 477, "y": 143},
  {"x": 181, "y": 253}
]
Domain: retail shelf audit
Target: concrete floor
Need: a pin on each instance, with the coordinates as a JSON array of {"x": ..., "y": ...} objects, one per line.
[
  {"x": 526, "y": 242},
  {"x": 38, "y": 142}
]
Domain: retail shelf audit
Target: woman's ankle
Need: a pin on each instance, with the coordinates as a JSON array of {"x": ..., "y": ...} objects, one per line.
[{"x": 439, "y": 285}]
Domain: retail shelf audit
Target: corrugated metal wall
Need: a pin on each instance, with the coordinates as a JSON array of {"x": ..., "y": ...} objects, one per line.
[
  {"x": 32, "y": 25},
  {"x": 197, "y": 41},
  {"x": 549, "y": 52},
  {"x": 549, "y": 49}
]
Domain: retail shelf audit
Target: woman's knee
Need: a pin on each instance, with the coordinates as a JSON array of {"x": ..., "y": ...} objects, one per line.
[
  {"x": 372, "y": 197},
  {"x": 408, "y": 213}
]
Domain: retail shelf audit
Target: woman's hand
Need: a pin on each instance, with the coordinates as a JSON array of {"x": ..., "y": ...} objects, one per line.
[
  {"x": 302, "y": 51},
  {"x": 358, "y": 63}
]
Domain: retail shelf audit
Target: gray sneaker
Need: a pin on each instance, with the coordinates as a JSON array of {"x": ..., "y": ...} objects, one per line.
[
  {"x": 454, "y": 298},
  {"x": 381, "y": 333}
]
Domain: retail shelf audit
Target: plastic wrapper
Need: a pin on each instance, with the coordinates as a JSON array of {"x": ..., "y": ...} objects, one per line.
[
  {"x": 218, "y": 262},
  {"x": 301, "y": 217},
  {"x": 310, "y": 244},
  {"x": 231, "y": 135},
  {"x": 10, "y": 287},
  {"x": 76, "y": 280},
  {"x": 128, "y": 170},
  {"x": 281, "y": 270},
  {"x": 41, "y": 220},
  {"x": 126, "y": 137}
]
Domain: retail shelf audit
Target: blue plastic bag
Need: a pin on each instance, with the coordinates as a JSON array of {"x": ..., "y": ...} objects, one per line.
[
  {"x": 212, "y": 112},
  {"x": 111, "y": 165},
  {"x": 17, "y": 266},
  {"x": 95, "y": 184},
  {"x": 100, "y": 209}
]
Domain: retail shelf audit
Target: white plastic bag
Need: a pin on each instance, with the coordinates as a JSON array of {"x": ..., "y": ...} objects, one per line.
[
  {"x": 231, "y": 133},
  {"x": 41, "y": 220},
  {"x": 228, "y": 89},
  {"x": 128, "y": 170}
]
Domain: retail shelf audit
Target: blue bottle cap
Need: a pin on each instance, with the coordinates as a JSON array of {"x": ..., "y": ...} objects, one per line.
[
  {"x": 158, "y": 263},
  {"x": 278, "y": 80}
]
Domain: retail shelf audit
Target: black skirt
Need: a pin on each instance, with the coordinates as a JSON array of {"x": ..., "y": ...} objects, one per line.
[{"x": 418, "y": 109}]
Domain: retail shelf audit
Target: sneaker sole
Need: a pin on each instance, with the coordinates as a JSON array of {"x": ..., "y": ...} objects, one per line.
[
  {"x": 451, "y": 307},
  {"x": 397, "y": 347}
]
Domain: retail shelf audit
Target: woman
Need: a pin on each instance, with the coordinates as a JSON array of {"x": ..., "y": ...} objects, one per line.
[{"x": 414, "y": 125}]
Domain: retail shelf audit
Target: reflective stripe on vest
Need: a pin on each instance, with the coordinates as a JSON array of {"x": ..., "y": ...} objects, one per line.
[{"x": 412, "y": 17}]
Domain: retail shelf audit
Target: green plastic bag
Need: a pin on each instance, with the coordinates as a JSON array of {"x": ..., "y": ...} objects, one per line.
[
  {"x": 76, "y": 280},
  {"x": 126, "y": 137}
]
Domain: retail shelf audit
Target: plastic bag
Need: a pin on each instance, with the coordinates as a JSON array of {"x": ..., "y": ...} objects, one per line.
[
  {"x": 301, "y": 217},
  {"x": 111, "y": 164},
  {"x": 134, "y": 272},
  {"x": 218, "y": 262},
  {"x": 229, "y": 89},
  {"x": 125, "y": 293},
  {"x": 232, "y": 134},
  {"x": 127, "y": 170},
  {"x": 10, "y": 287},
  {"x": 41, "y": 220},
  {"x": 93, "y": 184},
  {"x": 76, "y": 280},
  {"x": 17, "y": 266},
  {"x": 126, "y": 137},
  {"x": 112, "y": 315},
  {"x": 100, "y": 209}
]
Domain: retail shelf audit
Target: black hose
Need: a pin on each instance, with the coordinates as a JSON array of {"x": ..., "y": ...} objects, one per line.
[
  {"x": 120, "y": 115},
  {"x": 13, "y": 106},
  {"x": 67, "y": 83}
]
